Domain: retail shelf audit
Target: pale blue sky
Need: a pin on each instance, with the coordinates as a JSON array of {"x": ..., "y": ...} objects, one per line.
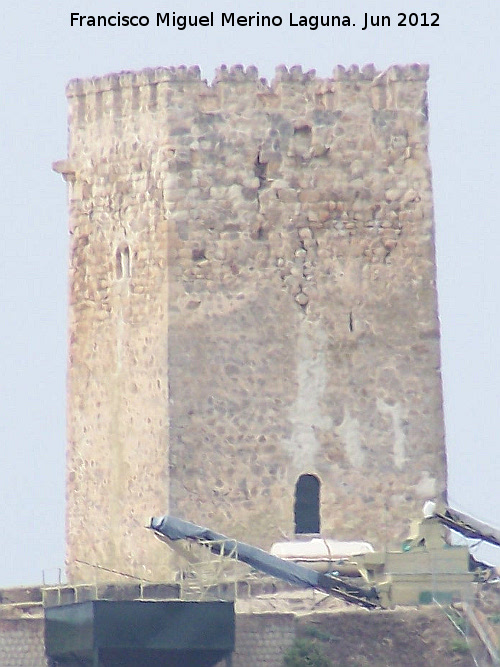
[{"x": 41, "y": 52}]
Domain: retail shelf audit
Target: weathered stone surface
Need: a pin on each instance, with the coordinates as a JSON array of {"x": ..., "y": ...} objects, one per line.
[
  {"x": 252, "y": 298},
  {"x": 22, "y": 643}
]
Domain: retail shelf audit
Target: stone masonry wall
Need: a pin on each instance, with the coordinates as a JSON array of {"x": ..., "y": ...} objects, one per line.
[
  {"x": 253, "y": 298},
  {"x": 22, "y": 643},
  {"x": 262, "y": 639},
  {"x": 411, "y": 637},
  {"x": 416, "y": 637}
]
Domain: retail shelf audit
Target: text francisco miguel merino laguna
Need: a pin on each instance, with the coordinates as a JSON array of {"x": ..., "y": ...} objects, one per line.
[{"x": 257, "y": 20}]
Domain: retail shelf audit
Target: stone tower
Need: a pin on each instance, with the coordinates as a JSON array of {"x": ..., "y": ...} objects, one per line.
[{"x": 254, "y": 338}]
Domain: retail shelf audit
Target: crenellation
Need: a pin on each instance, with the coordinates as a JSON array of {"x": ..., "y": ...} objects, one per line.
[{"x": 180, "y": 76}]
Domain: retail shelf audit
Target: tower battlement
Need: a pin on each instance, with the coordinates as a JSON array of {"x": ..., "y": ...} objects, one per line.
[
  {"x": 240, "y": 74},
  {"x": 254, "y": 339},
  {"x": 116, "y": 95}
]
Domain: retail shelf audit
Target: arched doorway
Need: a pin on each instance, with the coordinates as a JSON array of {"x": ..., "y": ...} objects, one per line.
[{"x": 306, "y": 506}]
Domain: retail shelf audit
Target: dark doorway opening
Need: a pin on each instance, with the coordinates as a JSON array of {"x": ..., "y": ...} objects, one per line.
[{"x": 306, "y": 507}]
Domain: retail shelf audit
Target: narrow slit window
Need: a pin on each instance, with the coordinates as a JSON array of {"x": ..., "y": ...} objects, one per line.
[
  {"x": 307, "y": 503},
  {"x": 123, "y": 261}
]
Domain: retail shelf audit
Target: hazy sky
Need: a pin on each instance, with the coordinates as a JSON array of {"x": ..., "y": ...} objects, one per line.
[{"x": 41, "y": 52}]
